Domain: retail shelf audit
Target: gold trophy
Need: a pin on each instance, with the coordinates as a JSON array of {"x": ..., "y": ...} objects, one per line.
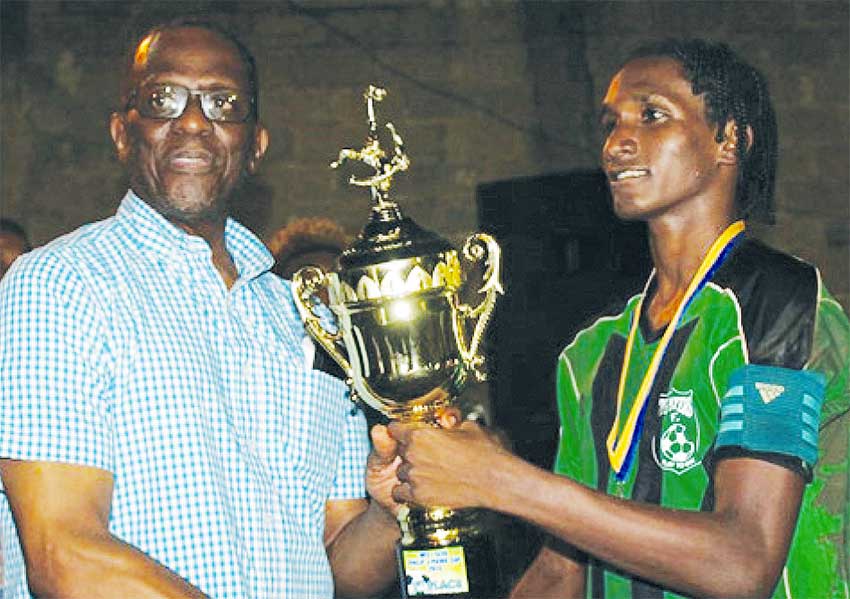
[{"x": 402, "y": 339}]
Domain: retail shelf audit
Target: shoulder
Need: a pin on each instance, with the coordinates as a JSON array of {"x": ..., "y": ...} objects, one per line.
[
  {"x": 757, "y": 270},
  {"x": 778, "y": 298},
  {"x": 91, "y": 247},
  {"x": 75, "y": 268},
  {"x": 593, "y": 338}
]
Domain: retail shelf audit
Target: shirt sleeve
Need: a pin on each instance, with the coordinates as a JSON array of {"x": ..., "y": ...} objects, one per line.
[{"x": 53, "y": 381}]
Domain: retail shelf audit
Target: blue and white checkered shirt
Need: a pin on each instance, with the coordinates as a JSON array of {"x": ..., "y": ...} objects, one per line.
[{"x": 122, "y": 349}]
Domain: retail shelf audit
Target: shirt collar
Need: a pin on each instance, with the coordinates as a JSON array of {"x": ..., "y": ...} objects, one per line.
[{"x": 155, "y": 235}]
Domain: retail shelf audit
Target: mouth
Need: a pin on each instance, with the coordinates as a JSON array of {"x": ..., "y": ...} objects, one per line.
[
  {"x": 626, "y": 174},
  {"x": 190, "y": 161}
]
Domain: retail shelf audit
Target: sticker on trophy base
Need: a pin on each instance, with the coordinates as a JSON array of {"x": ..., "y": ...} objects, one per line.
[{"x": 438, "y": 571}]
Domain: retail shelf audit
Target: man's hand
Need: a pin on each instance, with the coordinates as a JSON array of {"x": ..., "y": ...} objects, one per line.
[
  {"x": 447, "y": 467},
  {"x": 381, "y": 469}
]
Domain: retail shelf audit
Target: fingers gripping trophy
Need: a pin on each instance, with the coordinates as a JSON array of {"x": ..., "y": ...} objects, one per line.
[{"x": 408, "y": 346}]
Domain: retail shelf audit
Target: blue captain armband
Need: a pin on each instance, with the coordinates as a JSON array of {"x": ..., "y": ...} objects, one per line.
[{"x": 772, "y": 409}]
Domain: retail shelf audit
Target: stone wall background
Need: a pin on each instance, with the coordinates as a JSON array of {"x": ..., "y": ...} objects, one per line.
[{"x": 480, "y": 90}]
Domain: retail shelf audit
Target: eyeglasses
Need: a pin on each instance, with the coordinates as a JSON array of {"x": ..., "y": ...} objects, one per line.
[{"x": 168, "y": 101}]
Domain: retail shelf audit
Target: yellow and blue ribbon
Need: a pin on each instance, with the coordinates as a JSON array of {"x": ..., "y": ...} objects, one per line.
[{"x": 621, "y": 443}]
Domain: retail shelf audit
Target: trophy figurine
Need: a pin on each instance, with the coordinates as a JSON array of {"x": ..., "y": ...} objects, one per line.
[{"x": 408, "y": 346}]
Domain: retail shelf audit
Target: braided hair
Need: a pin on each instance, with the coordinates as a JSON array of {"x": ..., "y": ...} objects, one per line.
[{"x": 732, "y": 91}]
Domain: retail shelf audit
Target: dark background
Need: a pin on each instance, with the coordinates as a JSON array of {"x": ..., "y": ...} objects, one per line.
[
  {"x": 481, "y": 90},
  {"x": 497, "y": 102}
]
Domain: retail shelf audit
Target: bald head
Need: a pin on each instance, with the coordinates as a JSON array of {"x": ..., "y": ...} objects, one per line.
[
  {"x": 188, "y": 131},
  {"x": 195, "y": 39}
]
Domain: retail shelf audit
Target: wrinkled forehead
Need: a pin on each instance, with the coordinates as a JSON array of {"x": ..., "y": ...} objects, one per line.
[{"x": 190, "y": 56}]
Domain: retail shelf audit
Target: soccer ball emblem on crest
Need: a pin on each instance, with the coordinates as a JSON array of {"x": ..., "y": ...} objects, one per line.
[{"x": 677, "y": 447}]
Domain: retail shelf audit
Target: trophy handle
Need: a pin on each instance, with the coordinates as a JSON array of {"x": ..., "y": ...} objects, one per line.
[
  {"x": 479, "y": 247},
  {"x": 306, "y": 283}
]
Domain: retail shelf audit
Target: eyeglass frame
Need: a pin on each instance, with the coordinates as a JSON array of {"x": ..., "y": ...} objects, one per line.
[{"x": 192, "y": 93}]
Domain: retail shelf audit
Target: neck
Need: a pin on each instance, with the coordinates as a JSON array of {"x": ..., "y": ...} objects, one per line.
[
  {"x": 208, "y": 224},
  {"x": 213, "y": 233},
  {"x": 677, "y": 251}
]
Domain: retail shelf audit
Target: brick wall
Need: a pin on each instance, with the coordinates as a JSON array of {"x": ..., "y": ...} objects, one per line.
[{"x": 480, "y": 90}]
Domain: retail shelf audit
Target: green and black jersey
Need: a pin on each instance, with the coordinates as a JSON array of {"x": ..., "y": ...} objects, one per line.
[{"x": 761, "y": 307}]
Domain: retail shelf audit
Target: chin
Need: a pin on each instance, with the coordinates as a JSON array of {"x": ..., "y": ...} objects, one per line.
[
  {"x": 195, "y": 201},
  {"x": 627, "y": 210}
]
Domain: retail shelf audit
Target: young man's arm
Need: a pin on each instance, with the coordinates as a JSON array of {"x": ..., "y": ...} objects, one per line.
[
  {"x": 736, "y": 550},
  {"x": 554, "y": 574},
  {"x": 62, "y": 514}
]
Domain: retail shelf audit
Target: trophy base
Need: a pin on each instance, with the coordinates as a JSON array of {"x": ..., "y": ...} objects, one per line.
[{"x": 467, "y": 568}]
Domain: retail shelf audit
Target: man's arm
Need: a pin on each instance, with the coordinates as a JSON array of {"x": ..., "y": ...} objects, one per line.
[
  {"x": 736, "y": 550},
  {"x": 62, "y": 515},
  {"x": 362, "y": 552},
  {"x": 554, "y": 574},
  {"x": 360, "y": 534}
]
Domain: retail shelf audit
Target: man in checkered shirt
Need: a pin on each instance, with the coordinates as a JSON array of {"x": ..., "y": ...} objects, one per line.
[{"x": 162, "y": 431}]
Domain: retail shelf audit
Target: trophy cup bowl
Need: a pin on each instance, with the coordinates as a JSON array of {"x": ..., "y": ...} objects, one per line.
[{"x": 408, "y": 346}]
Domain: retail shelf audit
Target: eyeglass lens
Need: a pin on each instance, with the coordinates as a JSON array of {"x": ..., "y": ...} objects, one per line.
[{"x": 168, "y": 101}]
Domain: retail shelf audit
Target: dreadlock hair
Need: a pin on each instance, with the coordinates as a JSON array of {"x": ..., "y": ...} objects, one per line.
[{"x": 732, "y": 91}]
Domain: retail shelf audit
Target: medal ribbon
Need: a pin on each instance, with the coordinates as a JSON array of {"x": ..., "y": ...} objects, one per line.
[{"x": 621, "y": 443}]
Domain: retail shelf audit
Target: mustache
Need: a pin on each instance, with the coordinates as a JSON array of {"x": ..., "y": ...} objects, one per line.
[{"x": 190, "y": 151}]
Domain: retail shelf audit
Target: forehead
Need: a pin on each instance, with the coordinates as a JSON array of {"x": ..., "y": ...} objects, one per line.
[
  {"x": 648, "y": 77},
  {"x": 190, "y": 56}
]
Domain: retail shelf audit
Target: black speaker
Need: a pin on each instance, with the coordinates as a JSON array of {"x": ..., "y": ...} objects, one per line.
[{"x": 566, "y": 257}]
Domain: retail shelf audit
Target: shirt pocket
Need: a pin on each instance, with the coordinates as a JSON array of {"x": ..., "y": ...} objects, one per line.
[{"x": 295, "y": 421}]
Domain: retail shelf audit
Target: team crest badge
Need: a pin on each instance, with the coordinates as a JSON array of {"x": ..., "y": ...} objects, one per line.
[{"x": 675, "y": 449}]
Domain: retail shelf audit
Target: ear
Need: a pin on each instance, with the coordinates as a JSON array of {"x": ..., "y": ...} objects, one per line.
[
  {"x": 261, "y": 144},
  {"x": 728, "y": 147},
  {"x": 118, "y": 131}
]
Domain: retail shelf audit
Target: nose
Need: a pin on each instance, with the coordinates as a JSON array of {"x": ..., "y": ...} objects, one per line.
[
  {"x": 193, "y": 119},
  {"x": 620, "y": 143}
]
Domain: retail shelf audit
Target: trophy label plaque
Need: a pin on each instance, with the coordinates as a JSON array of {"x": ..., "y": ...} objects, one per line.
[
  {"x": 408, "y": 345},
  {"x": 436, "y": 571}
]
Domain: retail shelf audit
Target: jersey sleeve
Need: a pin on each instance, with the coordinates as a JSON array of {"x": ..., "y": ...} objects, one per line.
[
  {"x": 576, "y": 454},
  {"x": 772, "y": 410},
  {"x": 775, "y": 405},
  {"x": 54, "y": 381}
]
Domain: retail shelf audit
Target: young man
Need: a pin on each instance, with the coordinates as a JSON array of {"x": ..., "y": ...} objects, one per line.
[
  {"x": 690, "y": 418},
  {"x": 162, "y": 433}
]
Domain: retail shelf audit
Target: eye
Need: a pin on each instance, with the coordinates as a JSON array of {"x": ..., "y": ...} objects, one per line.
[
  {"x": 651, "y": 114},
  {"x": 227, "y": 105},
  {"x": 223, "y": 101},
  {"x": 162, "y": 99}
]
